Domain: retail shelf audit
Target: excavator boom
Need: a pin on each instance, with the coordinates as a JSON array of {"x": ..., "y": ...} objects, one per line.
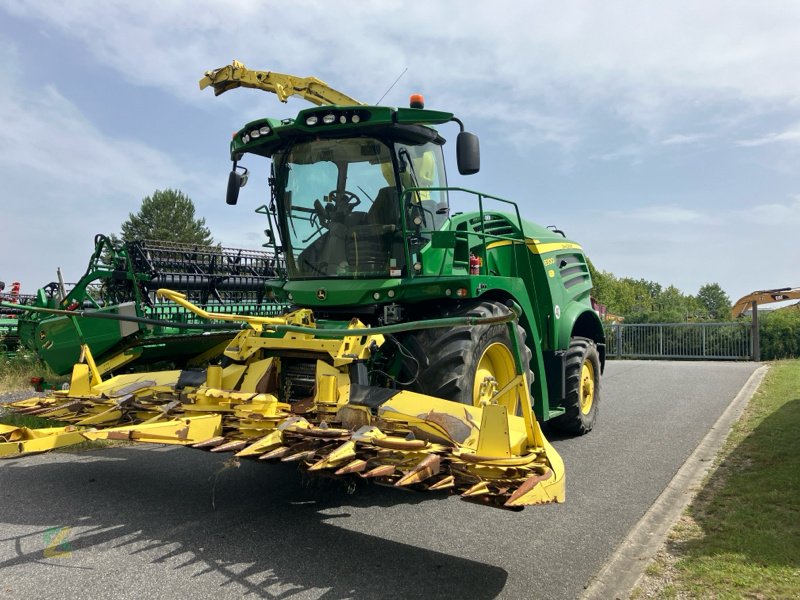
[
  {"x": 764, "y": 297},
  {"x": 284, "y": 86}
]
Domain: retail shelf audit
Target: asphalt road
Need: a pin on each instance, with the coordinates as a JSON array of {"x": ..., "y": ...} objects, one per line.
[{"x": 158, "y": 522}]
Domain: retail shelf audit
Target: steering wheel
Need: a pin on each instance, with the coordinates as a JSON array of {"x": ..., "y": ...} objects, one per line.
[
  {"x": 339, "y": 205},
  {"x": 344, "y": 200}
]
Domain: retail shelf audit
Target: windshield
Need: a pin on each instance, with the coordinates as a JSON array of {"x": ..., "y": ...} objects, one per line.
[{"x": 342, "y": 213}]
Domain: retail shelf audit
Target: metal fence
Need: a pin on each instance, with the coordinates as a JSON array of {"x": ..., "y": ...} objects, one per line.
[{"x": 707, "y": 341}]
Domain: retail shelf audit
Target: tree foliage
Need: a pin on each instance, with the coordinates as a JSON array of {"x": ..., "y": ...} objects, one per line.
[
  {"x": 644, "y": 301},
  {"x": 167, "y": 215},
  {"x": 715, "y": 301}
]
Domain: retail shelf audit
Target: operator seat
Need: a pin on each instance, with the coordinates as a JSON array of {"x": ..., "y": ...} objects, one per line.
[
  {"x": 384, "y": 210},
  {"x": 369, "y": 246}
]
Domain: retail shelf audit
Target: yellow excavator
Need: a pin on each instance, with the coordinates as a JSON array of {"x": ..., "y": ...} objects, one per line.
[{"x": 764, "y": 297}]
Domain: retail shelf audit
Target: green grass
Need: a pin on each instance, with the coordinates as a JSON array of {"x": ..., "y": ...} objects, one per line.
[
  {"x": 740, "y": 538},
  {"x": 30, "y": 421},
  {"x": 16, "y": 372}
]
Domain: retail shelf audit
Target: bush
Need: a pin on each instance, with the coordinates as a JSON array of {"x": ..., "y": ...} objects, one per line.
[{"x": 780, "y": 333}]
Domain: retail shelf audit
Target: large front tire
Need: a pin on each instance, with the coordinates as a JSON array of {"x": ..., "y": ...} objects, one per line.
[
  {"x": 455, "y": 362},
  {"x": 582, "y": 388}
]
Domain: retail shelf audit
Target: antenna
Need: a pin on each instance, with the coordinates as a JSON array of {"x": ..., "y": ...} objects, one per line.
[{"x": 391, "y": 86}]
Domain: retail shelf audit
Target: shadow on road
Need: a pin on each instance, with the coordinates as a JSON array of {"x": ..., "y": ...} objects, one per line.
[{"x": 266, "y": 535}]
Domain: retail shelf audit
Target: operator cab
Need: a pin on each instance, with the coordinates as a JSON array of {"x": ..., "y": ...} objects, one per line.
[{"x": 345, "y": 202}]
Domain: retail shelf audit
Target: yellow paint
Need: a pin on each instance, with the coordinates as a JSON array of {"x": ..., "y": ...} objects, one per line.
[
  {"x": 536, "y": 246},
  {"x": 256, "y": 371},
  {"x": 231, "y": 375},
  {"x": 493, "y": 437},
  {"x": 495, "y": 364},
  {"x": 270, "y": 441},
  {"x": 334, "y": 379},
  {"x": 110, "y": 415},
  {"x": 118, "y": 360},
  {"x": 587, "y": 387},
  {"x": 183, "y": 432},
  {"x": 156, "y": 380},
  {"x": 79, "y": 384},
  {"x": 284, "y": 86},
  {"x": 28, "y": 441},
  {"x": 214, "y": 376}
]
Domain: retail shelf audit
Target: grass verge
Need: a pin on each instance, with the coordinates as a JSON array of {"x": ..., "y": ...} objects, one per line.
[
  {"x": 740, "y": 537},
  {"x": 16, "y": 372}
]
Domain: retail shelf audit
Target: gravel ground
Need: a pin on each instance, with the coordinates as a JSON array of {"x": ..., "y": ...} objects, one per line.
[{"x": 6, "y": 397}]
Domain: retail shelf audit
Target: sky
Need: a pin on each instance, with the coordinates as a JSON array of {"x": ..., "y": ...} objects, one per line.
[{"x": 664, "y": 137}]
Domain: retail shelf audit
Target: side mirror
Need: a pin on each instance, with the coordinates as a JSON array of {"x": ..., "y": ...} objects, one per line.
[
  {"x": 235, "y": 181},
  {"x": 468, "y": 153}
]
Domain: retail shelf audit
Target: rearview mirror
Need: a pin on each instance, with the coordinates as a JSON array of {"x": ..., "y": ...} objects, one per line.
[
  {"x": 235, "y": 181},
  {"x": 468, "y": 153}
]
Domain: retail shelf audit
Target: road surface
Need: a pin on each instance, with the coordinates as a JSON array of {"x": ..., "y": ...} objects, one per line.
[{"x": 161, "y": 522}]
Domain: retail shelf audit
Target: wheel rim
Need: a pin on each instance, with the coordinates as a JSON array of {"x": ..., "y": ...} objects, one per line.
[
  {"x": 497, "y": 362},
  {"x": 587, "y": 387}
]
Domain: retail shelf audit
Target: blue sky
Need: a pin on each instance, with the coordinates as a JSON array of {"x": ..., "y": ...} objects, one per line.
[{"x": 664, "y": 137}]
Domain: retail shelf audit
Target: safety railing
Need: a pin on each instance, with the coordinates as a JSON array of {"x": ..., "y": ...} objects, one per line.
[
  {"x": 699, "y": 341},
  {"x": 477, "y": 228}
]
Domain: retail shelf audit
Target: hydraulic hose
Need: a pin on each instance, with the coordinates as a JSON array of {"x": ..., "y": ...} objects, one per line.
[{"x": 90, "y": 314}]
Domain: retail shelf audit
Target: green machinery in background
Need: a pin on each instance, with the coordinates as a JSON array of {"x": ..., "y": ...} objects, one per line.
[
  {"x": 114, "y": 309},
  {"x": 14, "y": 303}
]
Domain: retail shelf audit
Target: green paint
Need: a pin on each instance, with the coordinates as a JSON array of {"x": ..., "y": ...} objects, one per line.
[{"x": 392, "y": 241}]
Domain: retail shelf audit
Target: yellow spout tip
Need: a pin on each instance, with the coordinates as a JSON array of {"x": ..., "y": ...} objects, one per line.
[
  {"x": 444, "y": 484},
  {"x": 544, "y": 488},
  {"x": 478, "y": 489},
  {"x": 382, "y": 471},
  {"x": 356, "y": 466}
]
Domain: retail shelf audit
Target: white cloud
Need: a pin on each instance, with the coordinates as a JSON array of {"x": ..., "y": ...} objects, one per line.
[
  {"x": 64, "y": 180},
  {"x": 645, "y": 63},
  {"x": 45, "y": 136},
  {"x": 633, "y": 153},
  {"x": 775, "y": 214},
  {"x": 680, "y": 139},
  {"x": 628, "y": 73},
  {"x": 667, "y": 215},
  {"x": 790, "y": 135}
]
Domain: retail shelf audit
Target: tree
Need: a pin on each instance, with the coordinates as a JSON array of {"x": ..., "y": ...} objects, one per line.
[
  {"x": 713, "y": 298},
  {"x": 167, "y": 215}
]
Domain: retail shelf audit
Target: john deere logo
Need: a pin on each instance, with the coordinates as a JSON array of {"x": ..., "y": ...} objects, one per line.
[{"x": 321, "y": 294}]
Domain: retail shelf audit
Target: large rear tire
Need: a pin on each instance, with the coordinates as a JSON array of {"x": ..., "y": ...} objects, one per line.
[
  {"x": 454, "y": 362},
  {"x": 582, "y": 388}
]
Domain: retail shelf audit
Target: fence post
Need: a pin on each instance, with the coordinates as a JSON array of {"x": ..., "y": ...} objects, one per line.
[
  {"x": 756, "y": 338},
  {"x": 703, "y": 329},
  {"x": 619, "y": 340}
]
